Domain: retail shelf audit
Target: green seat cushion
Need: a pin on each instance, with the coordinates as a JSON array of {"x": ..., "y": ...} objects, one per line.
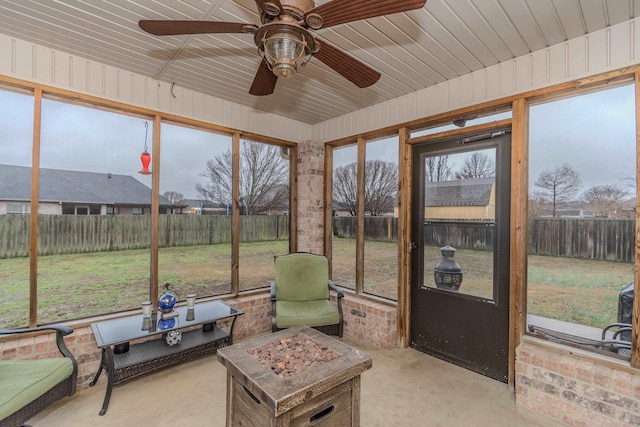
[
  {"x": 306, "y": 313},
  {"x": 302, "y": 277},
  {"x": 23, "y": 381}
]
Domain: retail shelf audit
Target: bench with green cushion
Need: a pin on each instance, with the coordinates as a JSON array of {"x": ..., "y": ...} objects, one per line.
[
  {"x": 300, "y": 294},
  {"x": 29, "y": 386}
]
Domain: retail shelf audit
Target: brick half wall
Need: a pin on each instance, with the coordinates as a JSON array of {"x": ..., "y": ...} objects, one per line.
[
  {"x": 367, "y": 320},
  {"x": 575, "y": 387}
]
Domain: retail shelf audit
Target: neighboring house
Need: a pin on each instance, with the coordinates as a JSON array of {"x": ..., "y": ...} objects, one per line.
[
  {"x": 461, "y": 199},
  {"x": 205, "y": 207},
  {"x": 63, "y": 192}
]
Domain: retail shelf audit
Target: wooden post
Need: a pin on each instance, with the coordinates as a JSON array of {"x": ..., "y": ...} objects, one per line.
[
  {"x": 362, "y": 155},
  {"x": 404, "y": 238},
  {"x": 328, "y": 205},
  {"x": 635, "y": 327},
  {"x": 155, "y": 211},
  {"x": 235, "y": 215},
  {"x": 33, "y": 216},
  {"x": 518, "y": 233}
]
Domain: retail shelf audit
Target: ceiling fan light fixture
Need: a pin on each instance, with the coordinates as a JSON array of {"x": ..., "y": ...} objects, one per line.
[
  {"x": 284, "y": 52},
  {"x": 285, "y": 47}
]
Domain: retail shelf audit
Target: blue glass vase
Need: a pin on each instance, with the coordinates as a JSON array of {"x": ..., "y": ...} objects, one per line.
[{"x": 167, "y": 300}]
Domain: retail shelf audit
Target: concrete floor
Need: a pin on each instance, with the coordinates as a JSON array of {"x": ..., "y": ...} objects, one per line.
[{"x": 404, "y": 388}]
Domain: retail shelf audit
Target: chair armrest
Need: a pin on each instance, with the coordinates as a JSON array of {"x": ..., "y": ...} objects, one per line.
[
  {"x": 273, "y": 291},
  {"x": 622, "y": 326},
  {"x": 60, "y": 331},
  {"x": 337, "y": 289}
]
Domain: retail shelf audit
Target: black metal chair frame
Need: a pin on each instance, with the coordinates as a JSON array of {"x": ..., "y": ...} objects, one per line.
[{"x": 63, "y": 389}]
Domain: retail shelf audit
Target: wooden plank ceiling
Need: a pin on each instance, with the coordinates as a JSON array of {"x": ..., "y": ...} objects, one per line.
[{"x": 413, "y": 50}]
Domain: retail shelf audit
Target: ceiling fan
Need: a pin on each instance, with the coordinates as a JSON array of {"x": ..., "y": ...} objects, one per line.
[{"x": 285, "y": 41}]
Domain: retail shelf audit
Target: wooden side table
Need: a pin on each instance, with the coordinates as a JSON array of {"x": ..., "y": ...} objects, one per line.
[{"x": 327, "y": 394}]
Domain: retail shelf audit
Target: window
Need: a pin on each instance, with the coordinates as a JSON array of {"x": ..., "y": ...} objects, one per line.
[
  {"x": 16, "y": 122},
  {"x": 195, "y": 252},
  {"x": 343, "y": 249},
  {"x": 18, "y": 208},
  {"x": 95, "y": 211},
  {"x": 582, "y": 188},
  {"x": 90, "y": 264},
  {"x": 264, "y": 203},
  {"x": 381, "y": 218}
]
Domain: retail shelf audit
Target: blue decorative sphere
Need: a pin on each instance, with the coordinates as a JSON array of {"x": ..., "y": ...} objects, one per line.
[{"x": 167, "y": 301}]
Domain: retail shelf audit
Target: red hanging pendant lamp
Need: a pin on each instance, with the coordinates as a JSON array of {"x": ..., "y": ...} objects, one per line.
[{"x": 145, "y": 157}]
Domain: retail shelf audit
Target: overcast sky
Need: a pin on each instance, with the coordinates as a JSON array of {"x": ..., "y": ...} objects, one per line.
[{"x": 595, "y": 134}]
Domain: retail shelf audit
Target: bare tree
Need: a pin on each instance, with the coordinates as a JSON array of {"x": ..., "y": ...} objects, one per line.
[
  {"x": 381, "y": 186},
  {"x": 437, "y": 169},
  {"x": 538, "y": 204},
  {"x": 478, "y": 165},
  {"x": 264, "y": 179},
  {"x": 173, "y": 196},
  {"x": 606, "y": 199},
  {"x": 559, "y": 184}
]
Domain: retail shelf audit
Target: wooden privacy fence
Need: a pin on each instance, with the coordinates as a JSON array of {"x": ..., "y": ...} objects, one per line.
[
  {"x": 586, "y": 238},
  {"x": 60, "y": 234}
]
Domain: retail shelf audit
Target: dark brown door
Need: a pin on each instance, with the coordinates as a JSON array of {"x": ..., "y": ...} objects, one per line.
[{"x": 460, "y": 202}]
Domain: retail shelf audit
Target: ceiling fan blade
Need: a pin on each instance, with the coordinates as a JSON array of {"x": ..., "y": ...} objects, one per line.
[
  {"x": 264, "y": 82},
  {"x": 350, "y": 68},
  {"x": 270, "y": 7},
  {"x": 170, "y": 28},
  {"x": 342, "y": 11}
]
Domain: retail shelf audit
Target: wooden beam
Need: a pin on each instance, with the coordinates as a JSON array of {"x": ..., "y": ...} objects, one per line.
[
  {"x": 619, "y": 76},
  {"x": 362, "y": 159},
  {"x": 155, "y": 211},
  {"x": 519, "y": 230},
  {"x": 635, "y": 329},
  {"x": 328, "y": 205},
  {"x": 293, "y": 199},
  {"x": 404, "y": 239},
  {"x": 33, "y": 216},
  {"x": 235, "y": 215},
  {"x": 485, "y": 127}
]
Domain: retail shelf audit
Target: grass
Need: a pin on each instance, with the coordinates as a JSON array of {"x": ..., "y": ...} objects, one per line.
[{"x": 80, "y": 285}]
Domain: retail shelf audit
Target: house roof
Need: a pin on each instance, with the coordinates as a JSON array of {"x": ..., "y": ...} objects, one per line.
[
  {"x": 462, "y": 192},
  {"x": 75, "y": 187},
  {"x": 199, "y": 203}
]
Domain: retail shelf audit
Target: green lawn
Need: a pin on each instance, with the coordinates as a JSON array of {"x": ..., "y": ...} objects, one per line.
[{"x": 80, "y": 285}]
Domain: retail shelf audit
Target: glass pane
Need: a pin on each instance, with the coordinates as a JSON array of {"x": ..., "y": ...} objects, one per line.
[
  {"x": 16, "y": 122},
  {"x": 264, "y": 209},
  {"x": 582, "y": 186},
  {"x": 459, "y": 222},
  {"x": 381, "y": 218},
  {"x": 93, "y": 251},
  {"x": 345, "y": 173},
  {"x": 195, "y": 221}
]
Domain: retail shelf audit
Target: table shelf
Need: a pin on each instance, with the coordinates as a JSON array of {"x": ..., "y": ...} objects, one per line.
[{"x": 150, "y": 356}]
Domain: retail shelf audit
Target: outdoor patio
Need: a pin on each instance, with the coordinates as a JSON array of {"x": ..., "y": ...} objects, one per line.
[{"x": 404, "y": 388}]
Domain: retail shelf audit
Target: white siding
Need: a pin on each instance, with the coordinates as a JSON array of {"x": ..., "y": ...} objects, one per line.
[
  {"x": 31, "y": 62},
  {"x": 605, "y": 50}
]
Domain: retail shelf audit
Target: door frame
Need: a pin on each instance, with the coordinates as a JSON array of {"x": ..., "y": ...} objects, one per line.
[
  {"x": 518, "y": 218},
  {"x": 483, "y": 320}
]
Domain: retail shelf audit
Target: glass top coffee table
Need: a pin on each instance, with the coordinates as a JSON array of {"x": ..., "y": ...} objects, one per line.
[{"x": 199, "y": 335}]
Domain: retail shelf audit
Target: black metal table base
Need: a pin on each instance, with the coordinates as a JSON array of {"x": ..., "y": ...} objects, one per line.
[{"x": 153, "y": 355}]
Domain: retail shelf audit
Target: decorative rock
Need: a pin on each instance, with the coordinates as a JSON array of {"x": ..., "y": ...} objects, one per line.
[{"x": 292, "y": 356}]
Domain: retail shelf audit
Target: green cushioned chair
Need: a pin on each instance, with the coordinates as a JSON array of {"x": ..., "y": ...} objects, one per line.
[
  {"x": 300, "y": 294},
  {"x": 29, "y": 386}
]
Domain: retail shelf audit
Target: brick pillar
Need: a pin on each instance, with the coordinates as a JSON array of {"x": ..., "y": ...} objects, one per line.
[{"x": 310, "y": 197}]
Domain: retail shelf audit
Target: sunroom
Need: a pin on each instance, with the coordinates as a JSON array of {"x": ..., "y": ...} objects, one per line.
[{"x": 477, "y": 201}]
